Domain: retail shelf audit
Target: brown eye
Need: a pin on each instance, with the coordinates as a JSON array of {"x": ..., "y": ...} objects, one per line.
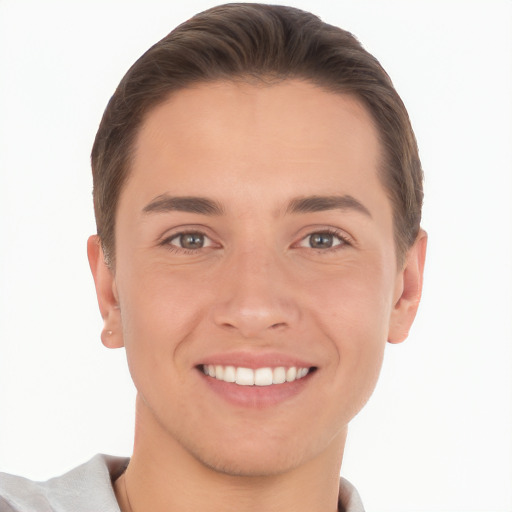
[
  {"x": 321, "y": 240},
  {"x": 191, "y": 240}
]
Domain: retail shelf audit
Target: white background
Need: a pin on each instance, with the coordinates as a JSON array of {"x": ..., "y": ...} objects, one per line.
[{"x": 437, "y": 434}]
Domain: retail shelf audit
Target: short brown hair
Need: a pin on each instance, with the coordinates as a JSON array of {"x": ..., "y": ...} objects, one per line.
[{"x": 263, "y": 43}]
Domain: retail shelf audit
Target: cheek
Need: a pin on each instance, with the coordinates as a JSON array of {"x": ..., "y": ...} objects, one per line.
[
  {"x": 353, "y": 312},
  {"x": 354, "y": 304},
  {"x": 157, "y": 297},
  {"x": 159, "y": 310}
]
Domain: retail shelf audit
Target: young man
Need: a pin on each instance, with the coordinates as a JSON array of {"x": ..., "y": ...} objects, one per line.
[{"x": 257, "y": 191}]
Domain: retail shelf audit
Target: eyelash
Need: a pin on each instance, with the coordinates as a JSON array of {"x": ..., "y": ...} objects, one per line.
[
  {"x": 343, "y": 239},
  {"x": 182, "y": 250}
]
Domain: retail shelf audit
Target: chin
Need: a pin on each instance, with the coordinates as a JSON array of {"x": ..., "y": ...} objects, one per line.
[
  {"x": 250, "y": 465},
  {"x": 261, "y": 456}
]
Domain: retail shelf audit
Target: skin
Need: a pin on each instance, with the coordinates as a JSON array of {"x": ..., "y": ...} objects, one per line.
[{"x": 257, "y": 287}]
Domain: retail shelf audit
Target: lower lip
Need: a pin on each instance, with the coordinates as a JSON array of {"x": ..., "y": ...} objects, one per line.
[{"x": 256, "y": 397}]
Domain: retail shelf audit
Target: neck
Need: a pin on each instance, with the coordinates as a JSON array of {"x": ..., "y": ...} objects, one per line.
[{"x": 164, "y": 476}]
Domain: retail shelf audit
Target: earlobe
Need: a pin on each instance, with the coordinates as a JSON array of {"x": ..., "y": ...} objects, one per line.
[
  {"x": 106, "y": 292},
  {"x": 409, "y": 285}
]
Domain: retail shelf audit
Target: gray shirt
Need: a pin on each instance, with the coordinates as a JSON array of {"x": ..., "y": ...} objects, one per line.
[{"x": 88, "y": 488}]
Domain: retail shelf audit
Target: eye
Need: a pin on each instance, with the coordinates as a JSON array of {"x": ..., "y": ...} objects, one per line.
[
  {"x": 189, "y": 241},
  {"x": 323, "y": 240}
]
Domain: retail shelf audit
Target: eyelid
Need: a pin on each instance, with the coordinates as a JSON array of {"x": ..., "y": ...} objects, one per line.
[
  {"x": 171, "y": 234},
  {"x": 179, "y": 235},
  {"x": 344, "y": 237}
]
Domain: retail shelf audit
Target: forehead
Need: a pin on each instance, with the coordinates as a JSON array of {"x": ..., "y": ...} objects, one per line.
[
  {"x": 292, "y": 110},
  {"x": 233, "y": 139}
]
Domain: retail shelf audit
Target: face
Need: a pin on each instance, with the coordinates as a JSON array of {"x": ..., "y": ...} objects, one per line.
[{"x": 254, "y": 244}]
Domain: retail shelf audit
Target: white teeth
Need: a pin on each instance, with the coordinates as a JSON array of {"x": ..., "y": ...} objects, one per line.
[
  {"x": 258, "y": 377},
  {"x": 229, "y": 374},
  {"x": 279, "y": 375},
  {"x": 263, "y": 377},
  {"x": 291, "y": 374},
  {"x": 219, "y": 372},
  {"x": 244, "y": 377}
]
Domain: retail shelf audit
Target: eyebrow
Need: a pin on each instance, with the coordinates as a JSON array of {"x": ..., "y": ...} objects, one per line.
[
  {"x": 323, "y": 203},
  {"x": 204, "y": 206},
  {"x": 201, "y": 205}
]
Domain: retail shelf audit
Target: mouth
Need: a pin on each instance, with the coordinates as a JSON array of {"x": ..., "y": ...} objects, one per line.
[
  {"x": 265, "y": 376},
  {"x": 256, "y": 380}
]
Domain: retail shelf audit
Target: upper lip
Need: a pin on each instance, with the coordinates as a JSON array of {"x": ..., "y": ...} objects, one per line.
[{"x": 255, "y": 360}]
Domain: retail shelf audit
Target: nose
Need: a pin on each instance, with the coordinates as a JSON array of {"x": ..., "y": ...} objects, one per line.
[{"x": 256, "y": 295}]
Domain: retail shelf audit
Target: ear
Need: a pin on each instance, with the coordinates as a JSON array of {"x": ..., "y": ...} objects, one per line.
[
  {"x": 408, "y": 290},
  {"x": 106, "y": 291}
]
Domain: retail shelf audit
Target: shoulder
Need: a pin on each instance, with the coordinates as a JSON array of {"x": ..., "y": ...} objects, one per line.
[
  {"x": 85, "y": 488},
  {"x": 349, "y": 499}
]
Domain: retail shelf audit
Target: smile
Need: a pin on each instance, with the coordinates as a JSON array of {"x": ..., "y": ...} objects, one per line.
[{"x": 255, "y": 377}]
